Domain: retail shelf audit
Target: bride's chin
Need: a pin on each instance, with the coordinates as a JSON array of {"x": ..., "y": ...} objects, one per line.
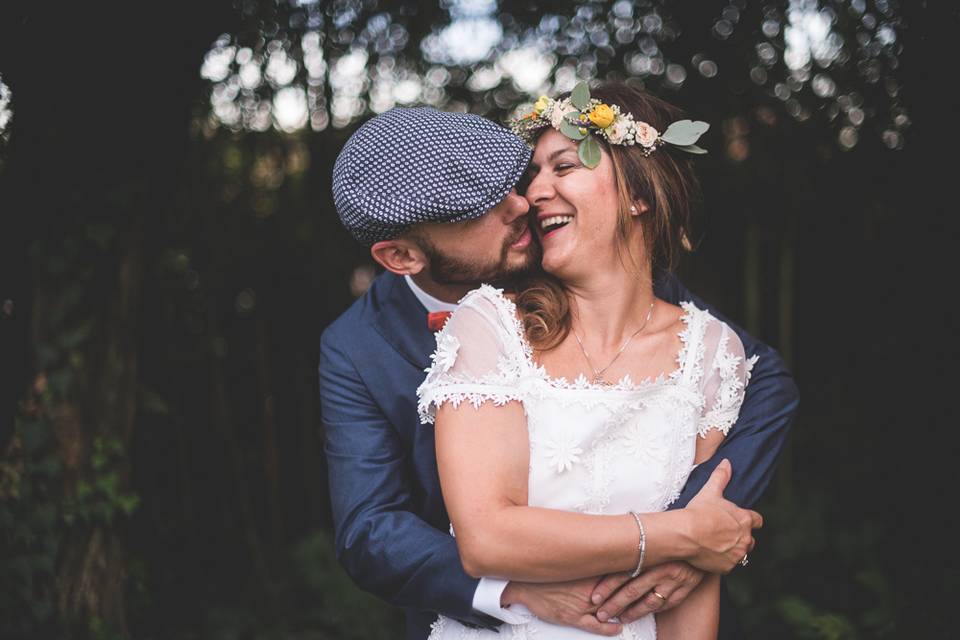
[{"x": 555, "y": 266}]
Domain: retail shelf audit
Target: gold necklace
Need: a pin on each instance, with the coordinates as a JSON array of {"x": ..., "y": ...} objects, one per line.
[{"x": 598, "y": 373}]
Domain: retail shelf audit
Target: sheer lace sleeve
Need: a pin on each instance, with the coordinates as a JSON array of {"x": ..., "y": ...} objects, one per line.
[
  {"x": 726, "y": 372},
  {"x": 478, "y": 356}
]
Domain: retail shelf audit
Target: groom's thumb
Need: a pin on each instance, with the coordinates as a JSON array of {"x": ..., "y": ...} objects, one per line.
[{"x": 719, "y": 478}]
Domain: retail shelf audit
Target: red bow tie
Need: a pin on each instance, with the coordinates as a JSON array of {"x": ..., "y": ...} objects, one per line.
[{"x": 436, "y": 319}]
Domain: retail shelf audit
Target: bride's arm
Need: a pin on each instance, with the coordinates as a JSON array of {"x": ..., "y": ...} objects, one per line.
[
  {"x": 483, "y": 460},
  {"x": 697, "y": 617}
]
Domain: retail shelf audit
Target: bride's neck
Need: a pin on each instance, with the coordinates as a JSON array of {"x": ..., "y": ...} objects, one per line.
[{"x": 609, "y": 306}]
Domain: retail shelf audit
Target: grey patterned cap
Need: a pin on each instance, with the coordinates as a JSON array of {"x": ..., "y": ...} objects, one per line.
[{"x": 412, "y": 165}]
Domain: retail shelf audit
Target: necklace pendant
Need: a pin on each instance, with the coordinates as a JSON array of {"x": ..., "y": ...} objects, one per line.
[{"x": 600, "y": 381}]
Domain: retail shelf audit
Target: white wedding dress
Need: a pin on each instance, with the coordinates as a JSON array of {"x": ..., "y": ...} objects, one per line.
[{"x": 596, "y": 449}]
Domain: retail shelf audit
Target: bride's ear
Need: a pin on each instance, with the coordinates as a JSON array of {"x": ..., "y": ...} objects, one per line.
[
  {"x": 639, "y": 207},
  {"x": 400, "y": 255}
]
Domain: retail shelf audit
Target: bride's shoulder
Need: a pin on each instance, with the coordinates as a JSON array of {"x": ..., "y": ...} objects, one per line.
[
  {"x": 487, "y": 296},
  {"x": 701, "y": 325},
  {"x": 490, "y": 303}
]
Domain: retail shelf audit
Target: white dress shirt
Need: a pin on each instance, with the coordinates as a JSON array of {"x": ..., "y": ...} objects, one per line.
[{"x": 486, "y": 598}]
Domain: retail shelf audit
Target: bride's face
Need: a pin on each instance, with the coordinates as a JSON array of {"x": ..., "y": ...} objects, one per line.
[{"x": 574, "y": 208}]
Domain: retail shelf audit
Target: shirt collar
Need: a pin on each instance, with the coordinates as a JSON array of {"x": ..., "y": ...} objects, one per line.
[{"x": 432, "y": 304}]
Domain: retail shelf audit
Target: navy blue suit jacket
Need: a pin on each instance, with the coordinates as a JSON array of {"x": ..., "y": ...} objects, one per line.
[{"x": 391, "y": 526}]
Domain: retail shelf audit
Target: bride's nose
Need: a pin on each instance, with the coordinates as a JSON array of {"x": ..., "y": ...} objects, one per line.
[{"x": 539, "y": 190}]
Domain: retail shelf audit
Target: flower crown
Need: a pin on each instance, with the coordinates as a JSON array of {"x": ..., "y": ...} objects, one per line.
[{"x": 580, "y": 115}]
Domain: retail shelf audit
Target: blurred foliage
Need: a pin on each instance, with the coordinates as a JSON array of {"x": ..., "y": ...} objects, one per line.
[{"x": 29, "y": 475}]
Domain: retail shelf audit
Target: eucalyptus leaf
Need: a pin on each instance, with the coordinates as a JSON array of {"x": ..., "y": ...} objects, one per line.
[
  {"x": 684, "y": 132},
  {"x": 580, "y": 96},
  {"x": 589, "y": 152},
  {"x": 571, "y": 131},
  {"x": 691, "y": 148}
]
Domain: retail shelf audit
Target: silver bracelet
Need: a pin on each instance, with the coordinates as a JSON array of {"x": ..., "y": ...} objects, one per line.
[{"x": 642, "y": 546}]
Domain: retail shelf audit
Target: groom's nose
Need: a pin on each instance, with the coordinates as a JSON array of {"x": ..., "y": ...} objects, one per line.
[{"x": 517, "y": 206}]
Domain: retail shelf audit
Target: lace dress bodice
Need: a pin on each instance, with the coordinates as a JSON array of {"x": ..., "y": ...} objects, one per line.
[{"x": 598, "y": 449}]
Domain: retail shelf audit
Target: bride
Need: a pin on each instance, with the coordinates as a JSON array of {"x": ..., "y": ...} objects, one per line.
[{"x": 570, "y": 412}]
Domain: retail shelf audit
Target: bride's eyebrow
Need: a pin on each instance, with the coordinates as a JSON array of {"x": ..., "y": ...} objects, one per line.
[{"x": 550, "y": 158}]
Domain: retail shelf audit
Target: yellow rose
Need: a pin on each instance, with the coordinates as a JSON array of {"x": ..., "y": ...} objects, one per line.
[
  {"x": 541, "y": 104},
  {"x": 602, "y": 116}
]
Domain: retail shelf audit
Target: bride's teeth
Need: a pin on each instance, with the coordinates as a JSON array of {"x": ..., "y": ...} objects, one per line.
[{"x": 554, "y": 220}]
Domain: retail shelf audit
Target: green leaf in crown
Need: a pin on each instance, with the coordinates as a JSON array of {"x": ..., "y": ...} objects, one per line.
[
  {"x": 683, "y": 133},
  {"x": 580, "y": 96},
  {"x": 589, "y": 152},
  {"x": 573, "y": 131}
]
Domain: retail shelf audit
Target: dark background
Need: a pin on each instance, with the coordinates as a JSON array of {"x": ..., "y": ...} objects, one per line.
[{"x": 166, "y": 269}]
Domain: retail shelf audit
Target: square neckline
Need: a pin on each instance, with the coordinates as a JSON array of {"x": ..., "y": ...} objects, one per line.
[{"x": 581, "y": 383}]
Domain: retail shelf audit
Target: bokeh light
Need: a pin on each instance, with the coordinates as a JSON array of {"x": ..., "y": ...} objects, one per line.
[
  {"x": 6, "y": 115},
  {"x": 336, "y": 63}
]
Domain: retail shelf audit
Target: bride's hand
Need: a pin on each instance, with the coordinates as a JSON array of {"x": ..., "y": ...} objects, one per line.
[{"x": 721, "y": 531}]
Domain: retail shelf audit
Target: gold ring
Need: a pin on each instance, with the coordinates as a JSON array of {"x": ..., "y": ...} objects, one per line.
[{"x": 654, "y": 592}]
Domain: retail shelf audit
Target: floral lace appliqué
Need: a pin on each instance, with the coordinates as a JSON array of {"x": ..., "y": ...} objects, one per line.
[
  {"x": 562, "y": 450},
  {"x": 446, "y": 353}
]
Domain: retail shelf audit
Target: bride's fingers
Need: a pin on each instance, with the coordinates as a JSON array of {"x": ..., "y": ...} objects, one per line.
[
  {"x": 651, "y": 603},
  {"x": 607, "y": 586},
  {"x": 635, "y": 590}
]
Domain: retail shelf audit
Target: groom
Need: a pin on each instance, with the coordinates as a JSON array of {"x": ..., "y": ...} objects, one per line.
[{"x": 433, "y": 196}]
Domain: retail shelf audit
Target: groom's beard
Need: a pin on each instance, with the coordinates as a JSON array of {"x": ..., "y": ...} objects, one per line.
[{"x": 447, "y": 269}]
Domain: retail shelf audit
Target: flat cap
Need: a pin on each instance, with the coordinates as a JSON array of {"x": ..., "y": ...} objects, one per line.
[{"x": 411, "y": 165}]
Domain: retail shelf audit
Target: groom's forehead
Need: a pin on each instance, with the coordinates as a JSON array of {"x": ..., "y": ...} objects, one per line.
[{"x": 421, "y": 165}]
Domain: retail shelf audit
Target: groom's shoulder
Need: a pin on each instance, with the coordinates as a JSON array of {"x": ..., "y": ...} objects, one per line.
[{"x": 358, "y": 318}]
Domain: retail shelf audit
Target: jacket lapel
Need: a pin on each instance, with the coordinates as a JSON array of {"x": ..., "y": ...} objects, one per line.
[{"x": 402, "y": 321}]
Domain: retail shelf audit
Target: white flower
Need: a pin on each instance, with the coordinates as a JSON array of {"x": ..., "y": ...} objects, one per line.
[
  {"x": 446, "y": 353},
  {"x": 618, "y": 131},
  {"x": 562, "y": 451},
  {"x": 646, "y": 135},
  {"x": 640, "y": 443},
  {"x": 559, "y": 108}
]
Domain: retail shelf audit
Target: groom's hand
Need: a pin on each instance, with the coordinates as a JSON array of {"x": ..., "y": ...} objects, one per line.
[
  {"x": 630, "y": 599},
  {"x": 563, "y": 603}
]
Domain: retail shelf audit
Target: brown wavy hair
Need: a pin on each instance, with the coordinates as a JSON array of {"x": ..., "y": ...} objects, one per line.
[{"x": 664, "y": 180}]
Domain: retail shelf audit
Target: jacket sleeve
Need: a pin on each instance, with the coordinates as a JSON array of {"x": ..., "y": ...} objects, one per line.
[
  {"x": 767, "y": 413},
  {"x": 381, "y": 542}
]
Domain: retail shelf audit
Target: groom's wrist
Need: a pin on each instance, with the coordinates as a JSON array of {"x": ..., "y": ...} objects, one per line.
[{"x": 511, "y": 594}]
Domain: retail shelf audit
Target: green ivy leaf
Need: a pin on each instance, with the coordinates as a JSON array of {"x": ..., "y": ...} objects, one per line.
[
  {"x": 683, "y": 133},
  {"x": 589, "y": 152},
  {"x": 691, "y": 148},
  {"x": 580, "y": 96}
]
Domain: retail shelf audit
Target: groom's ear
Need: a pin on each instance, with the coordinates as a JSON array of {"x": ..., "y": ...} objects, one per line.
[{"x": 401, "y": 255}]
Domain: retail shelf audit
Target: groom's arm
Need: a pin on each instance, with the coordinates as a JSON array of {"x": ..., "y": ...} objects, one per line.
[
  {"x": 384, "y": 546},
  {"x": 759, "y": 435}
]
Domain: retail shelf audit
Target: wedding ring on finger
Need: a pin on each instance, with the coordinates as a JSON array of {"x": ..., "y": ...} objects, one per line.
[{"x": 663, "y": 599}]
